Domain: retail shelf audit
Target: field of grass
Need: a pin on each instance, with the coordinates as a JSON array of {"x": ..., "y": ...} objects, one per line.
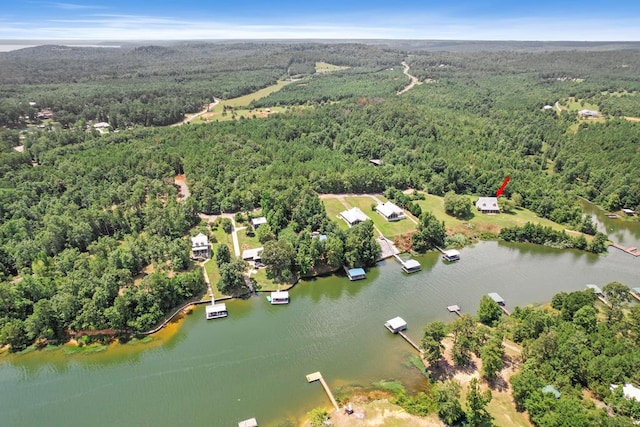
[
  {"x": 481, "y": 223},
  {"x": 574, "y": 104},
  {"x": 387, "y": 228},
  {"x": 333, "y": 208},
  {"x": 267, "y": 284},
  {"x": 247, "y": 242},
  {"x": 325, "y": 67}
]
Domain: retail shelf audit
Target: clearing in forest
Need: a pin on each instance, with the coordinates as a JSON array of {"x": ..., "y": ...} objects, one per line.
[{"x": 325, "y": 67}]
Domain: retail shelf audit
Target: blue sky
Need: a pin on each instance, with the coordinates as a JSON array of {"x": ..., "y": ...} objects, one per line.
[{"x": 394, "y": 19}]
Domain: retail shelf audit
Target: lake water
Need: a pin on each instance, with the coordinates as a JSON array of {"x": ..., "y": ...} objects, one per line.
[{"x": 253, "y": 363}]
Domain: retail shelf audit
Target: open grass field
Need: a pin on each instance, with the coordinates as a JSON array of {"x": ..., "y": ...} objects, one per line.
[
  {"x": 325, "y": 67},
  {"x": 267, "y": 284},
  {"x": 333, "y": 207},
  {"x": 482, "y": 223},
  {"x": 387, "y": 228},
  {"x": 247, "y": 242}
]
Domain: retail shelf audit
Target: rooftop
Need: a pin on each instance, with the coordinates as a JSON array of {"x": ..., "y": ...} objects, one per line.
[
  {"x": 200, "y": 241},
  {"x": 216, "y": 308},
  {"x": 487, "y": 203},
  {"x": 595, "y": 288},
  {"x": 258, "y": 221},
  {"x": 388, "y": 209},
  {"x": 497, "y": 298},
  {"x": 354, "y": 215},
  {"x": 252, "y": 253},
  {"x": 397, "y": 323},
  {"x": 551, "y": 389},
  {"x": 356, "y": 272},
  {"x": 411, "y": 263}
]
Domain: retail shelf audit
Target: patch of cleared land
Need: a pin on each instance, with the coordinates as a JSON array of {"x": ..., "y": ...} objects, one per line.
[
  {"x": 381, "y": 413},
  {"x": 481, "y": 222},
  {"x": 248, "y": 242},
  {"x": 333, "y": 206},
  {"x": 389, "y": 229},
  {"x": 240, "y": 105},
  {"x": 325, "y": 67},
  {"x": 575, "y": 104}
]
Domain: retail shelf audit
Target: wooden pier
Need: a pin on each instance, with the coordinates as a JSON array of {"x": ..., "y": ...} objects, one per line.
[
  {"x": 635, "y": 292},
  {"x": 410, "y": 341},
  {"x": 631, "y": 251},
  {"x": 318, "y": 376},
  {"x": 454, "y": 309}
]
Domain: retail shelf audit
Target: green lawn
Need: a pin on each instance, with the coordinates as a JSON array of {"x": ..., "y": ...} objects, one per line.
[
  {"x": 247, "y": 242},
  {"x": 214, "y": 277},
  {"x": 267, "y": 284},
  {"x": 334, "y": 207},
  {"x": 573, "y": 104},
  {"x": 387, "y": 228},
  {"x": 480, "y": 222}
]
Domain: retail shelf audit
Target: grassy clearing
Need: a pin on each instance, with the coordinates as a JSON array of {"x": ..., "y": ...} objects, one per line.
[
  {"x": 267, "y": 284},
  {"x": 575, "y": 104},
  {"x": 86, "y": 349},
  {"x": 387, "y": 228},
  {"x": 333, "y": 206},
  {"x": 325, "y": 67},
  {"x": 504, "y": 413},
  {"x": 248, "y": 242},
  {"x": 482, "y": 223}
]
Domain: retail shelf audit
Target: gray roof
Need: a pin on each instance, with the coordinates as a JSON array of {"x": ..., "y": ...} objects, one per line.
[
  {"x": 397, "y": 323},
  {"x": 258, "y": 221},
  {"x": 487, "y": 203},
  {"x": 595, "y": 288},
  {"x": 497, "y": 298}
]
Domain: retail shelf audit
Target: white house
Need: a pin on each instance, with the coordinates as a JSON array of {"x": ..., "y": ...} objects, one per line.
[
  {"x": 488, "y": 205},
  {"x": 200, "y": 246},
  {"x": 588, "y": 113},
  {"x": 390, "y": 211},
  {"x": 353, "y": 216}
]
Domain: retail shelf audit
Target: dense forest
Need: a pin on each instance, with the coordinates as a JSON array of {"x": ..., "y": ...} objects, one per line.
[{"x": 84, "y": 214}]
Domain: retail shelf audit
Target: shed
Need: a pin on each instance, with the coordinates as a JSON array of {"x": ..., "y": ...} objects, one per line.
[
  {"x": 390, "y": 211},
  {"x": 396, "y": 325},
  {"x": 488, "y": 205},
  {"x": 596, "y": 290},
  {"x": 451, "y": 255},
  {"x": 251, "y": 422},
  {"x": 551, "y": 390},
  {"x": 257, "y": 222},
  {"x": 353, "y": 216},
  {"x": 356, "y": 273},
  {"x": 497, "y": 298}
]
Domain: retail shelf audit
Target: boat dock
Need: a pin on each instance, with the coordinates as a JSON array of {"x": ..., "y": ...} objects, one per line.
[
  {"x": 410, "y": 341},
  {"x": 454, "y": 309},
  {"x": 318, "y": 376},
  {"x": 409, "y": 266},
  {"x": 631, "y": 251},
  {"x": 635, "y": 292},
  {"x": 500, "y": 301},
  {"x": 599, "y": 294}
]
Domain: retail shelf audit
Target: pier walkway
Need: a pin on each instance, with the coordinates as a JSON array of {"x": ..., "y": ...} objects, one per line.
[
  {"x": 631, "y": 251},
  {"x": 410, "y": 341},
  {"x": 318, "y": 376}
]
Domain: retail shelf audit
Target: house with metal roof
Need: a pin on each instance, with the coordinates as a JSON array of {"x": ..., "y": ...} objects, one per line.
[
  {"x": 390, "y": 211},
  {"x": 396, "y": 325},
  {"x": 497, "y": 298},
  {"x": 488, "y": 205},
  {"x": 356, "y": 273},
  {"x": 252, "y": 254},
  {"x": 353, "y": 216}
]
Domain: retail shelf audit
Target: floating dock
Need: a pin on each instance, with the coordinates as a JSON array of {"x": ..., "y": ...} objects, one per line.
[
  {"x": 635, "y": 292},
  {"x": 317, "y": 376},
  {"x": 631, "y": 251},
  {"x": 454, "y": 309},
  {"x": 500, "y": 301},
  {"x": 251, "y": 422},
  {"x": 355, "y": 273}
]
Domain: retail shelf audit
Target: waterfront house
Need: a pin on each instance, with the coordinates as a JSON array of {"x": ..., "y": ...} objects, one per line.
[
  {"x": 396, "y": 325},
  {"x": 488, "y": 205},
  {"x": 353, "y": 216},
  {"x": 451, "y": 255},
  {"x": 200, "y": 246},
  {"x": 390, "y": 211},
  {"x": 252, "y": 254},
  {"x": 257, "y": 222}
]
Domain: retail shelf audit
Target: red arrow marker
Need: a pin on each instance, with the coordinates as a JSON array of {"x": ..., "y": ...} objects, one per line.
[{"x": 501, "y": 189}]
